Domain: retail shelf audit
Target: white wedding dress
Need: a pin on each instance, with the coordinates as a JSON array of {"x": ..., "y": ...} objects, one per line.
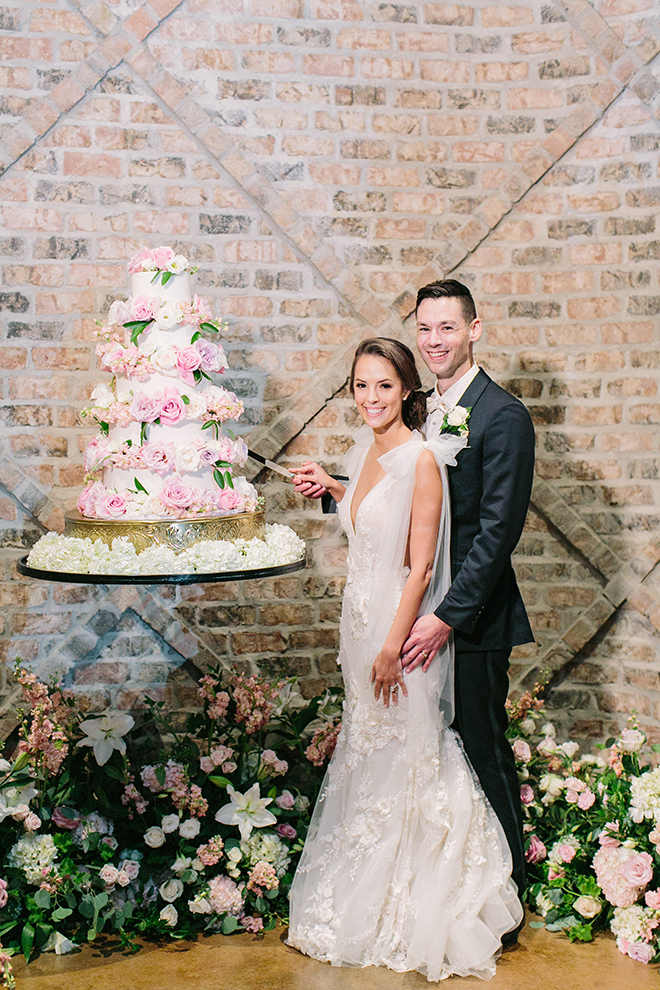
[{"x": 405, "y": 864}]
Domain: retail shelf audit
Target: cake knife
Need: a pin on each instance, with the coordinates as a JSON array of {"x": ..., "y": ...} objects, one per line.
[{"x": 269, "y": 464}]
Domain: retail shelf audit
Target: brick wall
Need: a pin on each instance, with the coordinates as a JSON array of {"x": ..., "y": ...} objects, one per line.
[{"x": 319, "y": 160}]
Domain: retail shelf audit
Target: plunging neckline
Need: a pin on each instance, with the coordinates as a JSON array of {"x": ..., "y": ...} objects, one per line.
[{"x": 352, "y": 521}]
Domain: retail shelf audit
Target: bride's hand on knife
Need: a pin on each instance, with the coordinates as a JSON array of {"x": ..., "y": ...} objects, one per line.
[
  {"x": 387, "y": 677},
  {"x": 312, "y": 481}
]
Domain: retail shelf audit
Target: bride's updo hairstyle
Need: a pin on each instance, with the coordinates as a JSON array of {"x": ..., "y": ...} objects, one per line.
[{"x": 403, "y": 362}]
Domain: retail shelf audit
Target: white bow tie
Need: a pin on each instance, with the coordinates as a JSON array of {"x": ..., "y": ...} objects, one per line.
[{"x": 435, "y": 403}]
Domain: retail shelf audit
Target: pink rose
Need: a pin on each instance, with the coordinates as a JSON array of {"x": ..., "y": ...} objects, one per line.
[
  {"x": 112, "y": 506},
  {"x": 536, "y": 851},
  {"x": 206, "y": 764},
  {"x": 172, "y": 409},
  {"x": 606, "y": 839},
  {"x": 89, "y": 497},
  {"x": 146, "y": 408},
  {"x": 521, "y": 750},
  {"x": 586, "y": 799},
  {"x": 177, "y": 494},
  {"x": 188, "y": 359},
  {"x": 158, "y": 457},
  {"x": 639, "y": 951},
  {"x": 556, "y": 872},
  {"x": 638, "y": 870},
  {"x": 286, "y": 831},
  {"x": 161, "y": 257},
  {"x": 229, "y": 499},
  {"x": 135, "y": 264},
  {"x": 526, "y": 794},
  {"x": 3, "y": 893},
  {"x": 652, "y": 899},
  {"x": 286, "y": 801},
  {"x": 565, "y": 852},
  {"x": 144, "y": 307},
  {"x": 212, "y": 357},
  {"x": 63, "y": 820},
  {"x": 202, "y": 307}
]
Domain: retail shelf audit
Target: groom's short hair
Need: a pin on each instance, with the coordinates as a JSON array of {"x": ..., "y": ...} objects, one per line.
[{"x": 449, "y": 288}]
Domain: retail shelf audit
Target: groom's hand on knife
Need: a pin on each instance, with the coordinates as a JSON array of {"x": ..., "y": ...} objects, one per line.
[{"x": 427, "y": 636}]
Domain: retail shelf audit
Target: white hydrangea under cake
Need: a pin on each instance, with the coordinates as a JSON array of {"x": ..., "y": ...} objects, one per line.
[{"x": 160, "y": 491}]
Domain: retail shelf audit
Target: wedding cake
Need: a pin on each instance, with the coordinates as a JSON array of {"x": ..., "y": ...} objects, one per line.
[{"x": 160, "y": 489}]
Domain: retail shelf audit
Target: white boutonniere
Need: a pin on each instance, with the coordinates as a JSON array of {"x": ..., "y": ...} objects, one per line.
[{"x": 456, "y": 421}]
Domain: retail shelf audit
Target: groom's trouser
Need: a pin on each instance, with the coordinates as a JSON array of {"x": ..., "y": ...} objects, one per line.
[{"x": 481, "y": 688}]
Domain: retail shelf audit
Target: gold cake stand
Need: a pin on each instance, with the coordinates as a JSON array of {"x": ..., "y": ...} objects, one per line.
[{"x": 176, "y": 534}]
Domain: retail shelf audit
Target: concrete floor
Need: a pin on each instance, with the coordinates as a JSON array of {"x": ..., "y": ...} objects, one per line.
[{"x": 540, "y": 962}]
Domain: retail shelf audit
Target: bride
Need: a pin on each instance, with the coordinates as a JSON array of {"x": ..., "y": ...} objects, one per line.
[{"x": 405, "y": 864}]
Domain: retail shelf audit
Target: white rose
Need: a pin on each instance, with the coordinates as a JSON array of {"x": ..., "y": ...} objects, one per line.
[
  {"x": 113, "y": 446},
  {"x": 119, "y": 313},
  {"x": 169, "y": 915},
  {"x": 124, "y": 392},
  {"x": 178, "y": 264},
  {"x": 457, "y": 416},
  {"x": 154, "y": 507},
  {"x": 123, "y": 878},
  {"x": 631, "y": 740},
  {"x": 547, "y": 745},
  {"x": 154, "y": 837},
  {"x": 134, "y": 510},
  {"x": 149, "y": 265},
  {"x": 552, "y": 784},
  {"x": 200, "y": 905},
  {"x": 102, "y": 397},
  {"x": 169, "y": 316},
  {"x": 180, "y": 865},
  {"x": 189, "y": 829},
  {"x": 170, "y": 823},
  {"x": 528, "y": 725},
  {"x": 196, "y": 407},
  {"x": 548, "y": 729},
  {"x": 588, "y": 907},
  {"x": 171, "y": 890},
  {"x": 147, "y": 346},
  {"x": 570, "y": 748},
  {"x": 164, "y": 360},
  {"x": 187, "y": 457}
]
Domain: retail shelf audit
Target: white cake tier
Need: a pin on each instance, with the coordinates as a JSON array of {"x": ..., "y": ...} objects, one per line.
[{"x": 176, "y": 290}]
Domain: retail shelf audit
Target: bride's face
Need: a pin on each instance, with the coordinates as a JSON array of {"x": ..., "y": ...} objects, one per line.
[{"x": 378, "y": 392}]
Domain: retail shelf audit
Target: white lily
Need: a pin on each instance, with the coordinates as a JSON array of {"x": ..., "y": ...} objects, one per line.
[
  {"x": 105, "y": 734},
  {"x": 247, "y": 810},
  {"x": 15, "y": 801}
]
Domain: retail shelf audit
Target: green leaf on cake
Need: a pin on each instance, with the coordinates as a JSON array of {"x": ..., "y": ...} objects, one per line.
[
  {"x": 143, "y": 432},
  {"x": 230, "y": 433},
  {"x": 156, "y": 276},
  {"x": 105, "y": 429},
  {"x": 209, "y": 326},
  {"x": 139, "y": 487},
  {"x": 195, "y": 336},
  {"x": 219, "y": 478},
  {"x": 185, "y": 400},
  {"x": 204, "y": 375},
  {"x": 197, "y": 375},
  {"x": 166, "y": 277},
  {"x": 207, "y": 424},
  {"x": 229, "y": 479}
]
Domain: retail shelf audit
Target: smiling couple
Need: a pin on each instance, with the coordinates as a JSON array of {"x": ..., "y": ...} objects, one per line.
[{"x": 406, "y": 865}]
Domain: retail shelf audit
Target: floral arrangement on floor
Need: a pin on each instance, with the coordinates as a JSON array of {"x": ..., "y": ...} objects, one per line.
[
  {"x": 593, "y": 831},
  {"x": 203, "y": 837},
  {"x": 78, "y": 555}
]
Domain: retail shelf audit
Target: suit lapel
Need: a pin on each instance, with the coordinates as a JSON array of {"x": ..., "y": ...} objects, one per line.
[{"x": 473, "y": 392}]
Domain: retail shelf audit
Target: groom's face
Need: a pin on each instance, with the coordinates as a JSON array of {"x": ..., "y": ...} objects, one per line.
[{"x": 444, "y": 338}]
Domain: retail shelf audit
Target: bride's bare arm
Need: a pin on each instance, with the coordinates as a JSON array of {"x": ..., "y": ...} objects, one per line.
[
  {"x": 311, "y": 480},
  {"x": 387, "y": 671}
]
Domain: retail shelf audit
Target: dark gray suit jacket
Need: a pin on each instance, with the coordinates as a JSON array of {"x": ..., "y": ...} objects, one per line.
[{"x": 489, "y": 489}]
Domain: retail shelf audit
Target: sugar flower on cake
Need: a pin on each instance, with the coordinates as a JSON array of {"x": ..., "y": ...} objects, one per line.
[{"x": 104, "y": 734}]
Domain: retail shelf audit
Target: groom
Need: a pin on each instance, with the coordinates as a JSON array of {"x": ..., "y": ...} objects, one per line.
[{"x": 489, "y": 490}]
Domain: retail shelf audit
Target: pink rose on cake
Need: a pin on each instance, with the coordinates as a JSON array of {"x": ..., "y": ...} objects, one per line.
[
  {"x": 146, "y": 408},
  {"x": 188, "y": 360},
  {"x": 187, "y": 457},
  {"x": 144, "y": 307},
  {"x": 162, "y": 256},
  {"x": 158, "y": 457},
  {"x": 202, "y": 308},
  {"x": 135, "y": 265},
  {"x": 229, "y": 500},
  {"x": 88, "y": 498},
  {"x": 112, "y": 505},
  {"x": 172, "y": 408},
  {"x": 176, "y": 494}
]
